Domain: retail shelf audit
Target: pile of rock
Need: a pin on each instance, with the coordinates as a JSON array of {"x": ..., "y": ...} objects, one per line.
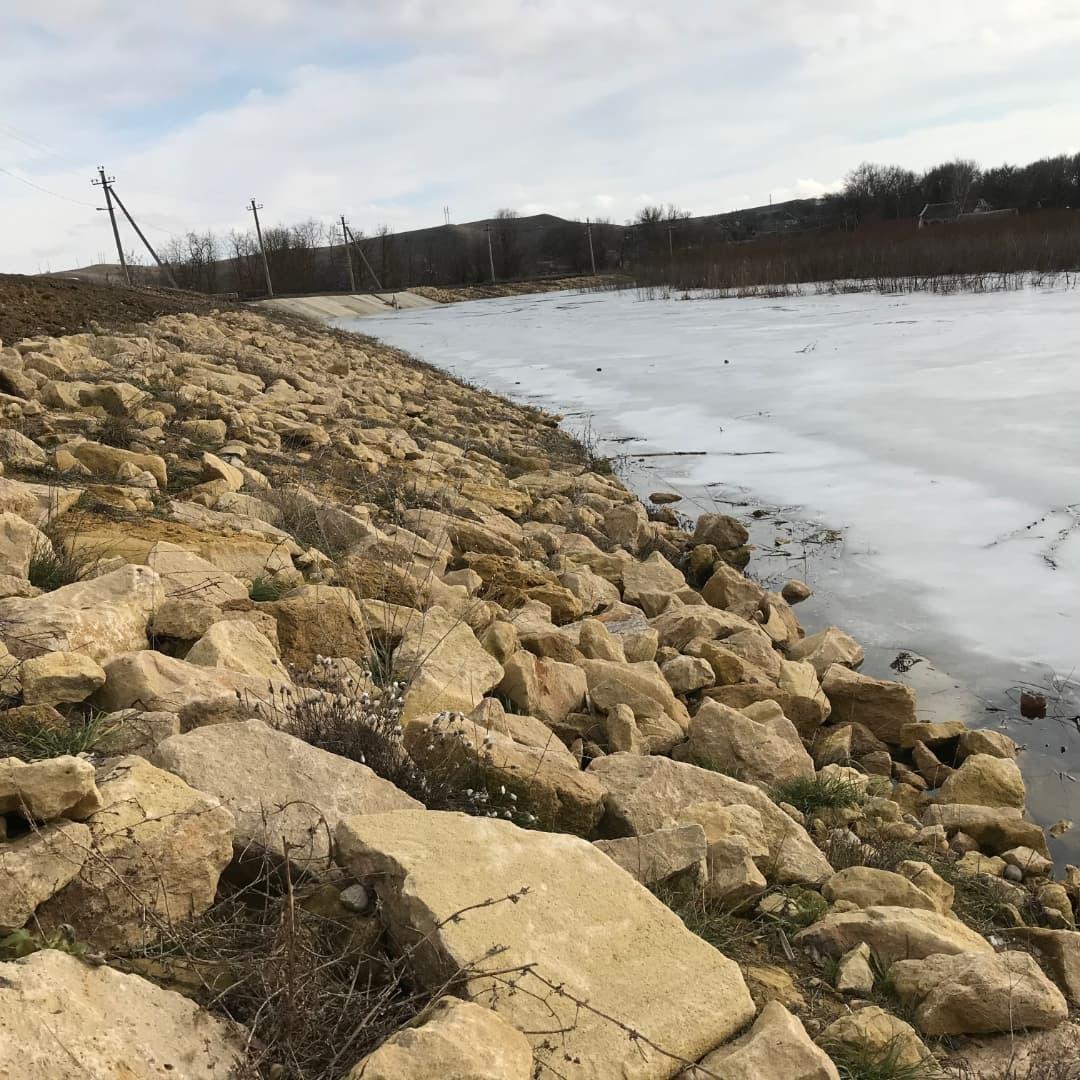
[{"x": 305, "y": 524}]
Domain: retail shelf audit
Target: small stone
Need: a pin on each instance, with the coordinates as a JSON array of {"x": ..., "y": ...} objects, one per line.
[
  {"x": 795, "y": 591},
  {"x": 854, "y": 974},
  {"x": 355, "y": 898}
]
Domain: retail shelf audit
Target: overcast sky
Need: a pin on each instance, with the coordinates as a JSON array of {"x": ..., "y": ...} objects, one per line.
[{"x": 390, "y": 110}]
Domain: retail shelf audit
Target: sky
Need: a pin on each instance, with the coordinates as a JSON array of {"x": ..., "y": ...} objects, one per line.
[{"x": 389, "y": 110}]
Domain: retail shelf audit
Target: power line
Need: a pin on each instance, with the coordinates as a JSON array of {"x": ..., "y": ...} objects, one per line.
[
  {"x": 47, "y": 191},
  {"x": 32, "y": 143}
]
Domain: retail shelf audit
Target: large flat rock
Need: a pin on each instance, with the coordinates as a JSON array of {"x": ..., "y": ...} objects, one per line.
[
  {"x": 643, "y": 794},
  {"x": 584, "y": 924},
  {"x": 281, "y": 790},
  {"x": 62, "y": 1019}
]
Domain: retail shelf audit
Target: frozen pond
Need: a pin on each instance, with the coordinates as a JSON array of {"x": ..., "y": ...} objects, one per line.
[{"x": 937, "y": 435}]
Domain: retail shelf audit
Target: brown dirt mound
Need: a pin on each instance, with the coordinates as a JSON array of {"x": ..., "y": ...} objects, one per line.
[{"x": 33, "y": 306}]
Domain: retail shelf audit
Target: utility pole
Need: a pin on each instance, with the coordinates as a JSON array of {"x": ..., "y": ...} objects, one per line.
[
  {"x": 255, "y": 208},
  {"x": 592, "y": 256},
  {"x": 670, "y": 243},
  {"x": 491, "y": 257},
  {"x": 348, "y": 253},
  {"x": 446, "y": 215},
  {"x": 104, "y": 182},
  {"x": 146, "y": 243},
  {"x": 363, "y": 257}
]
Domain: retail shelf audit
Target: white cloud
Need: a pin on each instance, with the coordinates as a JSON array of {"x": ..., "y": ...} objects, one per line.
[{"x": 389, "y": 109}]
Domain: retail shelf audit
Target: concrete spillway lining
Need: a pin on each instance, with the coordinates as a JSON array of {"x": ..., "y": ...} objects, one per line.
[{"x": 345, "y": 305}]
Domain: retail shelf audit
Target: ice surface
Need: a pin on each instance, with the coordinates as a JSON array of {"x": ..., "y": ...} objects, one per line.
[{"x": 939, "y": 433}]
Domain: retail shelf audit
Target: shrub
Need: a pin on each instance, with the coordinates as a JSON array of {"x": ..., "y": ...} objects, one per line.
[
  {"x": 29, "y": 735},
  {"x": 364, "y": 725},
  {"x": 118, "y": 431},
  {"x": 264, "y": 587},
  {"x": 811, "y": 794},
  {"x": 54, "y": 563},
  {"x": 313, "y": 981}
]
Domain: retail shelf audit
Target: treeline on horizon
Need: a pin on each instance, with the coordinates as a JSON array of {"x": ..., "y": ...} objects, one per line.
[{"x": 866, "y": 230}]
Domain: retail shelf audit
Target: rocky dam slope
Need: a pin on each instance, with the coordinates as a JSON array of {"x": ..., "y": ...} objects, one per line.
[{"x": 356, "y": 723}]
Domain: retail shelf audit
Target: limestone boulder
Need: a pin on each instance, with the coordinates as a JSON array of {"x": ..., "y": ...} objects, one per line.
[
  {"x": 977, "y": 994},
  {"x": 627, "y": 526},
  {"x": 777, "y": 1047},
  {"x": 36, "y": 866},
  {"x": 457, "y": 1039},
  {"x": 680, "y": 625},
  {"x": 319, "y": 620},
  {"x": 597, "y": 642},
  {"x": 63, "y": 1019},
  {"x": 687, "y": 674},
  {"x": 155, "y": 682},
  {"x": 721, "y": 531},
  {"x": 643, "y": 794},
  {"x": 158, "y": 849},
  {"x": 237, "y": 645},
  {"x": 18, "y": 542},
  {"x": 985, "y": 741},
  {"x": 882, "y": 706},
  {"x": 36, "y": 503},
  {"x": 1019, "y": 1054},
  {"x": 99, "y": 617},
  {"x": 57, "y": 677},
  {"x": 985, "y": 780},
  {"x": 546, "y": 782},
  {"x": 930, "y": 882},
  {"x": 443, "y": 665},
  {"x": 642, "y": 686},
  {"x": 1060, "y": 949},
  {"x": 804, "y": 703},
  {"x": 47, "y": 789},
  {"x": 659, "y": 855},
  {"x": 993, "y": 828},
  {"x": 107, "y": 461},
  {"x": 649, "y": 583},
  {"x": 855, "y": 972},
  {"x": 184, "y": 573},
  {"x": 282, "y": 792},
  {"x": 732, "y": 591},
  {"x": 525, "y": 730},
  {"x": 876, "y": 1037},
  {"x": 893, "y": 933},
  {"x": 830, "y": 646},
  {"x": 547, "y": 689},
  {"x": 759, "y": 745},
  {"x": 865, "y": 886},
  {"x": 19, "y": 451},
  {"x": 426, "y": 866}
]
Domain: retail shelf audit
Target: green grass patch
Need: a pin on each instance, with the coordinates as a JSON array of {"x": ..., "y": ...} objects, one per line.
[{"x": 812, "y": 794}]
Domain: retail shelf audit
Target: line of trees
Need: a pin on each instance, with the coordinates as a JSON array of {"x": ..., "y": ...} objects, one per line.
[
  {"x": 311, "y": 257},
  {"x": 884, "y": 192}
]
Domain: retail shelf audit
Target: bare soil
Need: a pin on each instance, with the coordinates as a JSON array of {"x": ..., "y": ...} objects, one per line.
[{"x": 36, "y": 306}]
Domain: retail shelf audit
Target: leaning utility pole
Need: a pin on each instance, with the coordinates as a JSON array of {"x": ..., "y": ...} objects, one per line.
[
  {"x": 255, "y": 208},
  {"x": 348, "y": 253},
  {"x": 104, "y": 182},
  {"x": 491, "y": 257},
  {"x": 363, "y": 257},
  {"x": 592, "y": 256},
  {"x": 164, "y": 266}
]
